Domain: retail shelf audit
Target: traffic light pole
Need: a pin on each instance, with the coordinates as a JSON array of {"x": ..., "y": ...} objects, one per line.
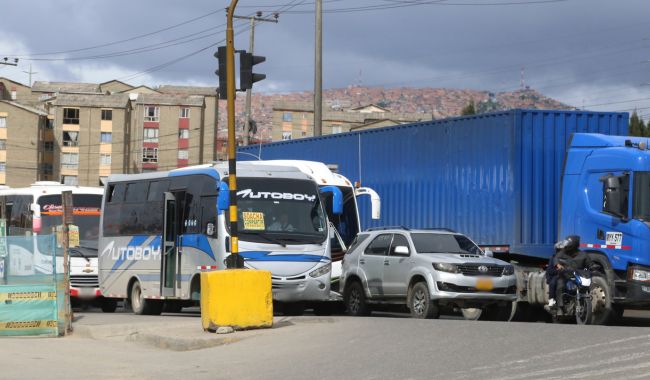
[
  {"x": 235, "y": 261},
  {"x": 249, "y": 92}
]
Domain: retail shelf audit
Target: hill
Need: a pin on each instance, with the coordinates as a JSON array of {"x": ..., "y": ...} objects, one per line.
[{"x": 440, "y": 102}]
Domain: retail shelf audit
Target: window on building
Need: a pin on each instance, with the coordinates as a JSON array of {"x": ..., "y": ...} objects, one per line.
[
  {"x": 151, "y": 113},
  {"x": 185, "y": 113},
  {"x": 183, "y": 154},
  {"x": 70, "y": 180},
  {"x": 104, "y": 159},
  {"x": 70, "y": 161},
  {"x": 48, "y": 146},
  {"x": 149, "y": 155},
  {"x": 183, "y": 133},
  {"x": 3, "y": 144},
  {"x": 71, "y": 116},
  {"x": 336, "y": 129},
  {"x": 151, "y": 135},
  {"x": 3, "y": 122},
  {"x": 286, "y": 135},
  {"x": 107, "y": 114},
  {"x": 46, "y": 168},
  {"x": 287, "y": 116},
  {"x": 49, "y": 124},
  {"x": 70, "y": 138},
  {"x": 106, "y": 137},
  {"x": 3, "y": 167}
]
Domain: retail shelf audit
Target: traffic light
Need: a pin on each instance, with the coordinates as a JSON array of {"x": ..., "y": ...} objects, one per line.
[
  {"x": 246, "y": 75},
  {"x": 221, "y": 72}
]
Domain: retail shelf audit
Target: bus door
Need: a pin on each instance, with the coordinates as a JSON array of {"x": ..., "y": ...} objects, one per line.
[{"x": 169, "y": 246}]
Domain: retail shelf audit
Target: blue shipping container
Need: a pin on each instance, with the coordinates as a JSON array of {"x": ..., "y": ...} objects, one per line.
[{"x": 495, "y": 177}]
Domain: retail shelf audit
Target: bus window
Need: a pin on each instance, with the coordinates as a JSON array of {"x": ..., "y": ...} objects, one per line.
[
  {"x": 116, "y": 192},
  {"x": 136, "y": 192},
  {"x": 157, "y": 190}
]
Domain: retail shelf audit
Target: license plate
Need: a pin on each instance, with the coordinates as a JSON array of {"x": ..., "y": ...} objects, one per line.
[
  {"x": 86, "y": 292},
  {"x": 484, "y": 284},
  {"x": 614, "y": 238}
]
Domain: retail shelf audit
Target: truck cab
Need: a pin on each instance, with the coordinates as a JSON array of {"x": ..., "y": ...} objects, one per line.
[{"x": 606, "y": 201}]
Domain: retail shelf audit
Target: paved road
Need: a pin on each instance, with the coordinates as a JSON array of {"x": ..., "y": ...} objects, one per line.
[{"x": 387, "y": 346}]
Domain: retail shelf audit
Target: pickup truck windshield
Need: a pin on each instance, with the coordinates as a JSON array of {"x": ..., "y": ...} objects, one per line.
[
  {"x": 280, "y": 211},
  {"x": 641, "y": 203},
  {"x": 443, "y": 243}
]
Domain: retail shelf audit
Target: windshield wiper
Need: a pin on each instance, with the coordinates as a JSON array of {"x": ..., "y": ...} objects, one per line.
[
  {"x": 80, "y": 253},
  {"x": 266, "y": 237}
]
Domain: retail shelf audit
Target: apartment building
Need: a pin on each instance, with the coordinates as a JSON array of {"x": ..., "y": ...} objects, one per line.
[
  {"x": 89, "y": 137},
  {"x": 25, "y": 144},
  {"x": 296, "y": 120},
  {"x": 167, "y": 130}
]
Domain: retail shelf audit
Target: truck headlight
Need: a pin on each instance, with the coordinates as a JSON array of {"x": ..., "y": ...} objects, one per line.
[
  {"x": 508, "y": 270},
  {"x": 325, "y": 269},
  {"x": 445, "y": 267},
  {"x": 640, "y": 274}
]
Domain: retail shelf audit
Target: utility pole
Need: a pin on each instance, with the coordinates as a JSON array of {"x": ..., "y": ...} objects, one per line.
[
  {"x": 30, "y": 72},
  {"x": 318, "y": 71},
  {"x": 251, "y": 45},
  {"x": 234, "y": 260},
  {"x": 5, "y": 61},
  {"x": 68, "y": 219}
]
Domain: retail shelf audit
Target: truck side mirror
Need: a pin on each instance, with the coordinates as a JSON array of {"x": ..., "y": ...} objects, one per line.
[
  {"x": 615, "y": 195},
  {"x": 223, "y": 199},
  {"x": 337, "y": 198}
]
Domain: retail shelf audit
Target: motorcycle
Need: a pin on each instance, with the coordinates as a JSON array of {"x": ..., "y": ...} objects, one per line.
[{"x": 576, "y": 298}]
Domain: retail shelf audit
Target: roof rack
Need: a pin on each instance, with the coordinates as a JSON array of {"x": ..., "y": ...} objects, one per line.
[
  {"x": 388, "y": 228},
  {"x": 439, "y": 229}
]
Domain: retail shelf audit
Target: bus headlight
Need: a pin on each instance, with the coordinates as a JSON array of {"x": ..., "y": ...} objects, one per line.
[{"x": 325, "y": 269}]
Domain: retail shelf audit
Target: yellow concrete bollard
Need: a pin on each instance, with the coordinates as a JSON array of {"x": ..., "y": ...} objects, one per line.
[{"x": 240, "y": 298}]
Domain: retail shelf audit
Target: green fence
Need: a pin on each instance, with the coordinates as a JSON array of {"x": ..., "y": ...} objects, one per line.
[{"x": 32, "y": 287}]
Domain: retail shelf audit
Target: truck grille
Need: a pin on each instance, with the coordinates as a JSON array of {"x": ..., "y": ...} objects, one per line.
[
  {"x": 473, "y": 270},
  {"x": 84, "y": 281}
]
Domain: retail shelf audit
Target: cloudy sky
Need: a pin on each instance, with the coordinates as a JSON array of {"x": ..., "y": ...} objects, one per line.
[{"x": 587, "y": 53}]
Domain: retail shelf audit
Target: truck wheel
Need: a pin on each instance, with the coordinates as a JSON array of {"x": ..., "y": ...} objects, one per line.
[
  {"x": 109, "y": 305},
  {"x": 471, "y": 313},
  {"x": 141, "y": 305},
  {"x": 355, "y": 300},
  {"x": 601, "y": 299},
  {"x": 421, "y": 304}
]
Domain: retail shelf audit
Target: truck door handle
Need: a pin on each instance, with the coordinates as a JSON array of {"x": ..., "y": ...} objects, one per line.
[
  {"x": 386, "y": 262},
  {"x": 362, "y": 261}
]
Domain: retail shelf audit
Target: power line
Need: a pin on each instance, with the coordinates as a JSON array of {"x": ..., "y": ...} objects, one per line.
[{"x": 123, "y": 40}]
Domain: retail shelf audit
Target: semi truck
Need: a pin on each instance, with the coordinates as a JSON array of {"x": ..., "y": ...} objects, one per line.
[{"x": 516, "y": 182}]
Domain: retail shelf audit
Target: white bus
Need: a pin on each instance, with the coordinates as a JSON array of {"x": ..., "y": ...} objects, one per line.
[
  {"x": 37, "y": 210},
  {"x": 347, "y": 223},
  {"x": 160, "y": 230}
]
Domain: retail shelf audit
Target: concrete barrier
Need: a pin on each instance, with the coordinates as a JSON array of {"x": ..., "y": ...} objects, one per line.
[{"x": 239, "y": 298}]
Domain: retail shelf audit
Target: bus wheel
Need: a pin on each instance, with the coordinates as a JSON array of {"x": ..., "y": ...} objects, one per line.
[{"x": 141, "y": 305}]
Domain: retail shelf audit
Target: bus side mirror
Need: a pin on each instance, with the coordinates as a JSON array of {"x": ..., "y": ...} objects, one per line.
[
  {"x": 223, "y": 199},
  {"x": 337, "y": 198},
  {"x": 375, "y": 201}
]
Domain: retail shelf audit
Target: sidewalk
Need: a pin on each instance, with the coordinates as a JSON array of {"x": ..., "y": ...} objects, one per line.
[{"x": 176, "y": 332}]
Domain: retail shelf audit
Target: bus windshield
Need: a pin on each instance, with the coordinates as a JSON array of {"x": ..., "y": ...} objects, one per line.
[
  {"x": 282, "y": 211},
  {"x": 86, "y": 216},
  {"x": 641, "y": 204}
]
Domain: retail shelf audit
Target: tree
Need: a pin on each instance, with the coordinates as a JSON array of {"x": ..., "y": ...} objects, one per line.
[
  {"x": 469, "y": 109},
  {"x": 636, "y": 125}
]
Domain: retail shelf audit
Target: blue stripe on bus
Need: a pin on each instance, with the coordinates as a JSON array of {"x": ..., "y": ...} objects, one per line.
[
  {"x": 268, "y": 256},
  {"x": 199, "y": 242}
]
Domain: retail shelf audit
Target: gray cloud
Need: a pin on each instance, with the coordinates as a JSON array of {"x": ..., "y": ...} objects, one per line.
[{"x": 583, "y": 52}]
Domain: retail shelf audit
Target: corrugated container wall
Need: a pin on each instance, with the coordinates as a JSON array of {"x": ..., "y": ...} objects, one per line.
[{"x": 495, "y": 177}]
